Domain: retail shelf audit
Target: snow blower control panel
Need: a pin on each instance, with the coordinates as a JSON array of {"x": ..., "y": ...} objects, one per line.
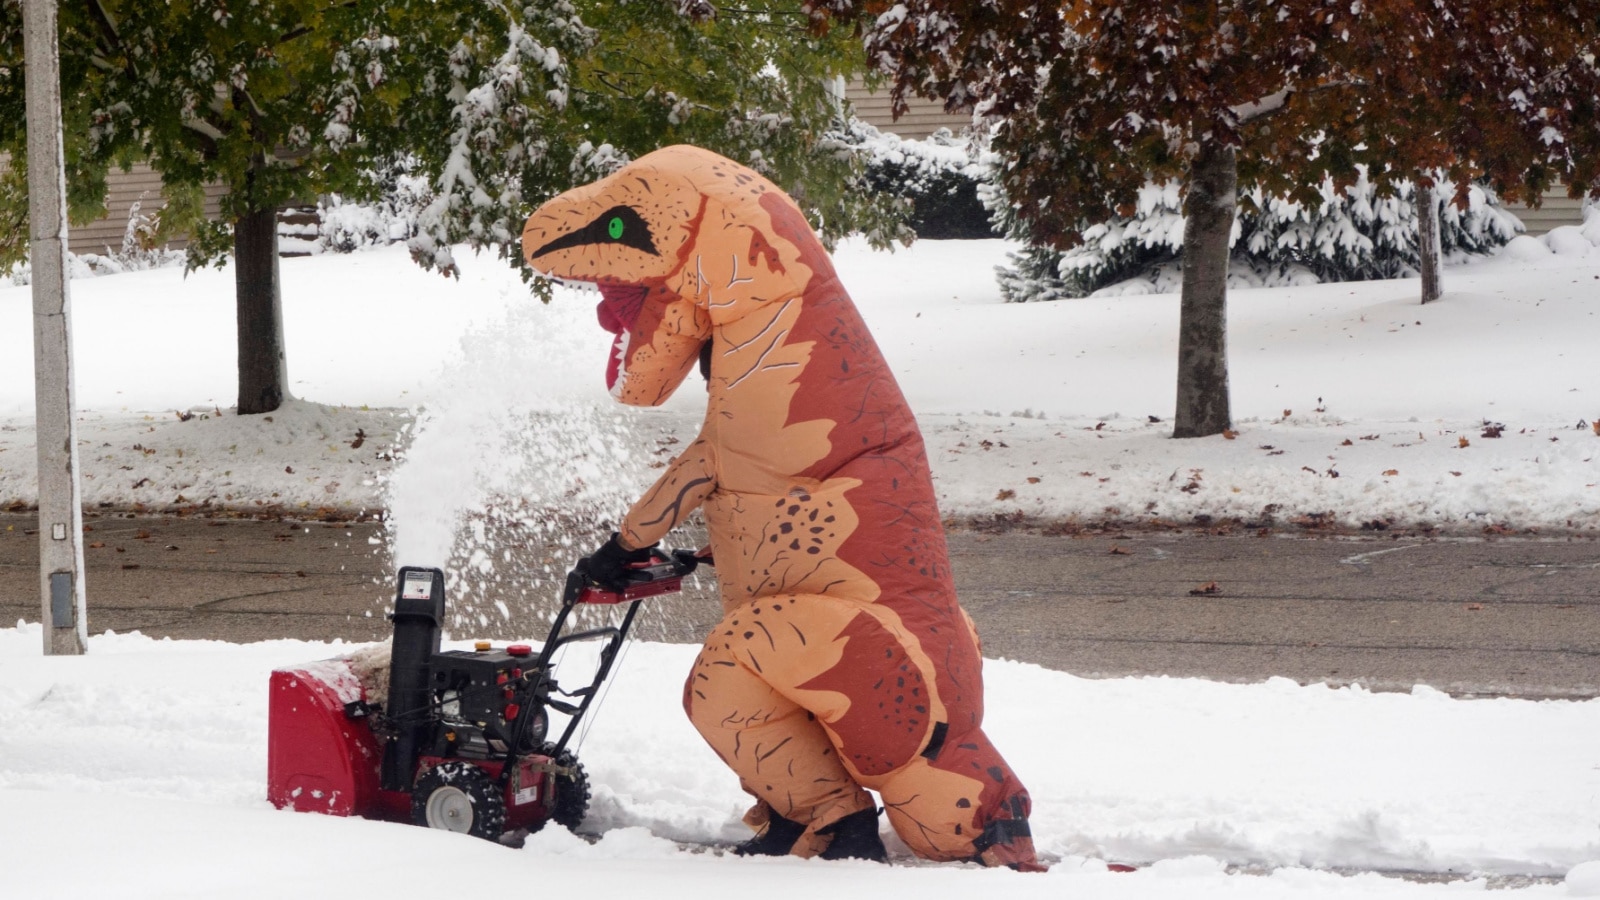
[{"x": 482, "y": 693}]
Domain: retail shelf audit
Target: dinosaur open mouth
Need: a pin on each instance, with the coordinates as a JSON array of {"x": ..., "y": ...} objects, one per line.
[{"x": 618, "y": 311}]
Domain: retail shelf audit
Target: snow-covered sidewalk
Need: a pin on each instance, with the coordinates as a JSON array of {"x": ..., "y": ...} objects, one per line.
[{"x": 140, "y": 772}]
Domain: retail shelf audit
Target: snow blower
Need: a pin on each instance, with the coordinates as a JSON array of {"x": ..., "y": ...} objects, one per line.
[{"x": 456, "y": 739}]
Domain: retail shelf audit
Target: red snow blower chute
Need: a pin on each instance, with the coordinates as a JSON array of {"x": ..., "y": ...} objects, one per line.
[{"x": 459, "y": 740}]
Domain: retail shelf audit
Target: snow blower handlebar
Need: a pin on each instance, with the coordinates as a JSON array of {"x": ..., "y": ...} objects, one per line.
[{"x": 661, "y": 574}]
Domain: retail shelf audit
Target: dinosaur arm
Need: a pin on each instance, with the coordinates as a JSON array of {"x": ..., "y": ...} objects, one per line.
[{"x": 678, "y": 492}]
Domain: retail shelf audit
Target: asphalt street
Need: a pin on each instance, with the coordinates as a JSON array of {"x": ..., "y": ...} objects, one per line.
[{"x": 1497, "y": 616}]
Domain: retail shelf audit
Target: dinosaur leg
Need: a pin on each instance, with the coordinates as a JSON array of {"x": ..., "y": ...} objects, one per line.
[
  {"x": 948, "y": 792},
  {"x": 811, "y": 698},
  {"x": 779, "y": 750},
  {"x": 965, "y": 803}
]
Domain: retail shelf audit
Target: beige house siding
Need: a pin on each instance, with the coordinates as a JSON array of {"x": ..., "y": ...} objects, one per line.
[
  {"x": 140, "y": 185},
  {"x": 1557, "y": 209},
  {"x": 923, "y": 118}
]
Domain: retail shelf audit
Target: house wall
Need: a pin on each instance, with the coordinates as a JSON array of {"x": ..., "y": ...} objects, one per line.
[
  {"x": 1557, "y": 209},
  {"x": 925, "y": 116},
  {"x": 140, "y": 185}
]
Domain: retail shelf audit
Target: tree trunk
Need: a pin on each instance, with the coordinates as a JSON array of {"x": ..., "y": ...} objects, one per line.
[
  {"x": 263, "y": 372},
  {"x": 1428, "y": 249},
  {"x": 1208, "y": 210}
]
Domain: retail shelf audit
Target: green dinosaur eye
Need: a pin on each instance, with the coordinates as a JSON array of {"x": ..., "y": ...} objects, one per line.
[{"x": 614, "y": 228}]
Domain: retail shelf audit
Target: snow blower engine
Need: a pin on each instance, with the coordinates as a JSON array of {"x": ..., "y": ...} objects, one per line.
[{"x": 459, "y": 740}]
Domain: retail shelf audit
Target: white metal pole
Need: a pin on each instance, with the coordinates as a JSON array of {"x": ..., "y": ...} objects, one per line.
[{"x": 62, "y": 598}]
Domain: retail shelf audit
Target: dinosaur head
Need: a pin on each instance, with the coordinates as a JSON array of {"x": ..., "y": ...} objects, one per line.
[{"x": 676, "y": 242}]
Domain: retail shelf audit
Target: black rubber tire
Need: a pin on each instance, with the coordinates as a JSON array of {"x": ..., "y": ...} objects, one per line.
[
  {"x": 459, "y": 796},
  {"x": 572, "y": 795}
]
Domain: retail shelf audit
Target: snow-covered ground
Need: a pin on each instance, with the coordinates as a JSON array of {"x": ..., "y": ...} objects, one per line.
[{"x": 139, "y": 769}]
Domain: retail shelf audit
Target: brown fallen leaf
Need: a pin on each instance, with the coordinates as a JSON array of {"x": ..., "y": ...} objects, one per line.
[
  {"x": 1391, "y": 471},
  {"x": 1209, "y": 588},
  {"x": 1463, "y": 443},
  {"x": 361, "y": 438},
  {"x": 130, "y": 565},
  {"x": 1474, "y": 606},
  {"x": 1005, "y": 494},
  {"x": 97, "y": 545},
  {"x": 1229, "y": 434},
  {"x": 1118, "y": 551},
  {"x": 289, "y": 469},
  {"x": 1034, "y": 479},
  {"x": 1347, "y": 443}
]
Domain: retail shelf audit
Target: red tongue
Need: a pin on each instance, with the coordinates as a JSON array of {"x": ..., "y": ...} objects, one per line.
[
  {"x": 620, "y": 305},
  {"x": 607, "y": 313}
]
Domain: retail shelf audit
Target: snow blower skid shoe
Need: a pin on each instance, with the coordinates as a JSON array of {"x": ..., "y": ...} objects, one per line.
[{"x": 455, "y": 739}]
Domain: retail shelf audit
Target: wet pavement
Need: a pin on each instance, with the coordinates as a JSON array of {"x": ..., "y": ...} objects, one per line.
[{"x": 1473, "y": 616}]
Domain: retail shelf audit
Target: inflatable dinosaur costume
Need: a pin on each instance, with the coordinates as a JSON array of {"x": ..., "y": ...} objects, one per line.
[{"x": 843, "y": 660}]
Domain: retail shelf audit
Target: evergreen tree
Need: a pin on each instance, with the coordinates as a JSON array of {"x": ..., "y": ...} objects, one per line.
[
  {"x": 1353, "y": 233},
  {"x": 499, "y": 104}
]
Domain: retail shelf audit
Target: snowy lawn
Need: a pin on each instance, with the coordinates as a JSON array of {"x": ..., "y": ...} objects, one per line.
[{"x": 1354, "y": 405}]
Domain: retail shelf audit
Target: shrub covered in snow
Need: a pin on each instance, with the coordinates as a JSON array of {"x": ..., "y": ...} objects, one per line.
[
  {"x": 1356, "y": 234},
  {"x": 939, "y": 176},
  {"x": 145, "y": 245},
  {"x": 1352, "y": 234},
  {"x": 347, "y": 226}
]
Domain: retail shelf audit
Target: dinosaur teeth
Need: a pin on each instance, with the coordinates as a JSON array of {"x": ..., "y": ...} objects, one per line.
[
  {"x": 617, "y": 368},
  {"x": 574, "y": 284}
]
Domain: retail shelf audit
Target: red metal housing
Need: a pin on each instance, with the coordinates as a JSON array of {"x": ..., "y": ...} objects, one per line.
[{"x": 318, "y": 758}]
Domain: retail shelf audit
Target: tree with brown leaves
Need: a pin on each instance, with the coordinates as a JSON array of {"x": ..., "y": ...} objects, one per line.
[{"x": 1091, "y": 99}]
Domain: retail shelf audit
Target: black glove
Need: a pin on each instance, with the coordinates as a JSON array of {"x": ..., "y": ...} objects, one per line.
[{"x": 608, "y": 566}]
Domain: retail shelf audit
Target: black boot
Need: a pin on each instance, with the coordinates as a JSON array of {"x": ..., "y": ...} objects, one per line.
[
  {"x": 777, "y": 839},
  {"x": 855, "y": 837}
]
